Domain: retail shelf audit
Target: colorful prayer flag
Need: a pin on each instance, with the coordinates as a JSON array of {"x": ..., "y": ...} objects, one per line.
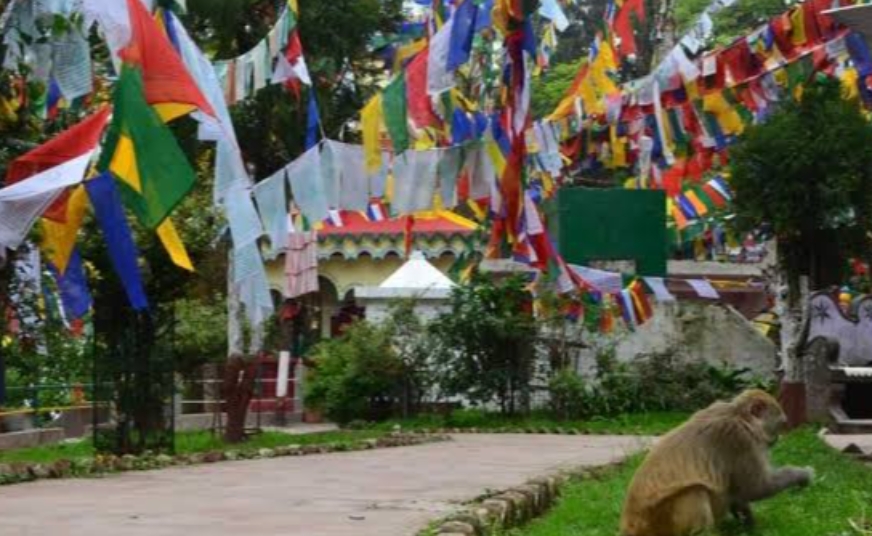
[
  {"x": 167, "y": 84},
  {"x": 142, "y": 151}
]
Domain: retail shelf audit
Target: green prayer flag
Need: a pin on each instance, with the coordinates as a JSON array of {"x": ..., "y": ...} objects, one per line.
[
  {"x": 394, "y": 108},
  {"x": 164, "y": 174}
]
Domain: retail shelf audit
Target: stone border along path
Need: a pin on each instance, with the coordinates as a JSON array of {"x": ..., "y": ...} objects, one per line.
[{"x": 389, "y": 492}]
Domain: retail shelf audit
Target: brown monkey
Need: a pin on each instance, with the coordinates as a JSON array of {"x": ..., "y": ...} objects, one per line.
[{"x": 716, "y": 462}]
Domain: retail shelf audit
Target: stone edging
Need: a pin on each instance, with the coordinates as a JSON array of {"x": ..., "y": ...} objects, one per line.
[
  {"x": 13, "y": 473},
  {"x": 540, "y": 430},
  {"x": 513, "y": 507}
]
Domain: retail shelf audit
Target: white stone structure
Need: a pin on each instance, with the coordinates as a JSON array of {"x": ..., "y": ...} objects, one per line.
[{"x": 418, "y": 280}]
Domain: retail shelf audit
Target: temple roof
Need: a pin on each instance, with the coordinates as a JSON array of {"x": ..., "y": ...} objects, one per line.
[{"x": 443, "y": 223}]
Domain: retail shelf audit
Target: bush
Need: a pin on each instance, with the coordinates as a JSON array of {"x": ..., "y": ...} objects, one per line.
[
  {"x": 657, "y": 382},
  {"x": 568, "y": 394},
  {"x": 489, "y": 334},
  {"x": 356, "y": 376},
  {"x": 373, "y": 371}
]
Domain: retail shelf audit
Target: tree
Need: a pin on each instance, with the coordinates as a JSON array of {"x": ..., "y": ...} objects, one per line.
[
  {"x": 807, "y": 171},
  {"x": 489, "y": 335}
]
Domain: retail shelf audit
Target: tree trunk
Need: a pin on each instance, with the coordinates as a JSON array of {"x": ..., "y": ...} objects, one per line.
[
  {"x": 238, "y": 389},
  {"x": 791, "y": 306}
]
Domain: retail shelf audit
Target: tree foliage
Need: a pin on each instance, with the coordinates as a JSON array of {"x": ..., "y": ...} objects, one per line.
[
  {"x": 808, "y": 172},
  {"x": 489, "y": 333}
]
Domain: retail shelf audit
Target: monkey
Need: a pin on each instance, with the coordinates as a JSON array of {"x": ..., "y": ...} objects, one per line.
[{"x": 714, "y": 464}]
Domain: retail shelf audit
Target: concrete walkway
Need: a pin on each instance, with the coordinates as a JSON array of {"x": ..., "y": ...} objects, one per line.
[{"x": 388, "y": 492}]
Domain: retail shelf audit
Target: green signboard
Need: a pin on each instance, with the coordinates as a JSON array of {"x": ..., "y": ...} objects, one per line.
[{"x": 592, "y": 225}]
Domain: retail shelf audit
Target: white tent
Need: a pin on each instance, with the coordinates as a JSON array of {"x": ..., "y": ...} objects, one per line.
[
  {"x": 416, "y": 279},
  {"x": 417, "y": 274}
]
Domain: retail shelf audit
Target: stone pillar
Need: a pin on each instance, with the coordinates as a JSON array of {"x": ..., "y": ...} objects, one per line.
[{"x": 818, "y": 356}]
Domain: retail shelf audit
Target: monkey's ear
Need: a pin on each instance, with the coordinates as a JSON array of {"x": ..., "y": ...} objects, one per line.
[{"x": 758, "y": 408}]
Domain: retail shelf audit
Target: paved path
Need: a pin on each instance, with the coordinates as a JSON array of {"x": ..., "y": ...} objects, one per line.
[
  {"x": 387, "y": 492},
  {"x": 863, "y": 441}
]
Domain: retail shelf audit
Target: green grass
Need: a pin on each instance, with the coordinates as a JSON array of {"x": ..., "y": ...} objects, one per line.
[
  {"x": 640, "y": 423},
  {"x": 190, "y": 443},
  {"x": 841, "y": 493}
]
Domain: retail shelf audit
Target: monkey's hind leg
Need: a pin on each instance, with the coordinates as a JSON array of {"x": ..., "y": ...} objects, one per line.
[{"x": 692, "y": 512}]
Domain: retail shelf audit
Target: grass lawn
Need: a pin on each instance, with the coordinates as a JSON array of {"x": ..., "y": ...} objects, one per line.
[
  {"x": 190, "y": 443},
  {"x": 653, "y": 423},
  {"x": 841, "y": 493}
]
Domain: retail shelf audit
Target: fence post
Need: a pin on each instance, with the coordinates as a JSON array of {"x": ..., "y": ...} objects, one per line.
[{"x": 299, "y": 376}]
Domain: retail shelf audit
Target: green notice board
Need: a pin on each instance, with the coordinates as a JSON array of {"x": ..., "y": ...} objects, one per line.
[{"x": 611, "y": 225}]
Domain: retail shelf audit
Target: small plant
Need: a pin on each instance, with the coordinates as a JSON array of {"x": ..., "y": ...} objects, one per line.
[{"x": 568, "y": 394}]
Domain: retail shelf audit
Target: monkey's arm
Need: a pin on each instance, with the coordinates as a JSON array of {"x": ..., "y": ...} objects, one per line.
[{"x": 777, "y": 480}]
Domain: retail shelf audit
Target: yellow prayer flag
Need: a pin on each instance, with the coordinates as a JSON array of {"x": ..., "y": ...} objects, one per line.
[
  {"x": 496, "y": 156},
  {"x": 727, "y": 117},
  {"x": 123, "y": 163},
  {"x": 123, "y": 166},
  {"x": 371, "y": 120},
  {"x": 697, "y": 203},
  {"x": 619, "y": 151},
  {"x": 479, "y": 212},
  {"x": 407, "y": 51},
  {"x": 172, "y": 110},
  {"x": 457, "y": 219},
  {"x": 294, "y": 5},
  {"x": 59, "y": 239},
  {"x": 171, "y": 241},
  {"x": 849, "y": 84},
  {"x": 797, "y": 22}
]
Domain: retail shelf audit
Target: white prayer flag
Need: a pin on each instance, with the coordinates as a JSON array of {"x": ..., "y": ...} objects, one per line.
[
  {"x": 658, "y": 286},
  {"x": 304, "y": 178},
  {"x": 23, "y": 202},
  {"x": 439, "y": 78},
  {"x": 602, "y": 280},
  {"x": 704, "y": 289},
  {"x": 551, "y": 10},
  {"x": 272, "y": 204},
  {"x": 245, "y": 226}
]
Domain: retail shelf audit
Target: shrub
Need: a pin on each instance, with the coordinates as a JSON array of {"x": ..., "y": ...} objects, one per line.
[
  {"x": 568, "y": 394},
  {"x": 488, "y": 334},
  {"x": 374, "y": 370},
  {"x": 656, "y": 382},
  {"x": 356, "y": 376}
]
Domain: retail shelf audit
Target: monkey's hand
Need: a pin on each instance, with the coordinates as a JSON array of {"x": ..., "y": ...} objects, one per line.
[
  {"x": 805, "y": 476},
  {"x": 744, "y": 514}
]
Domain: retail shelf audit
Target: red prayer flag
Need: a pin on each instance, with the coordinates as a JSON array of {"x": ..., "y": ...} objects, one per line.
[
  {"x": 418, "y": 100},
  {"x": 715, "y": 195},
  {"x": 781, "y": 30},
  {"x": 71, "y": 143},
  {"x": 410, "y": 225},
  {"x": 164, "y": 75},
  {"x": 623, "y": 26},
  {"x": 741, "y": 62}
]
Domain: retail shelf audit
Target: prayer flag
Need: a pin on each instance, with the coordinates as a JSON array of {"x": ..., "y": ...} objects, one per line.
[
  {"x": 462, "y": 32},
  {"x": 73, "y": 287},
  {"x": 371, "y": 119},
  {"x": 106, "y": 201},
  {"x": 75, "y": 141},
  {"x": 166, "y": 81},
  {"x": 394, "y": 110},
  {"x": 143, "y": 152}
]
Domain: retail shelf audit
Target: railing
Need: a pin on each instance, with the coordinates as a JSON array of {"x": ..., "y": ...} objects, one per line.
[{"x": 80, "y": 396}]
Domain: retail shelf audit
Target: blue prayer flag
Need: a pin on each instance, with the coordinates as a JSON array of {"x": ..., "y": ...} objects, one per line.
[
  {"x": 313, "y": 121},
  {"x": 462, "y": 32},
  {"x": 73, "y": 287},
  {"x": 106, "y": 201}
]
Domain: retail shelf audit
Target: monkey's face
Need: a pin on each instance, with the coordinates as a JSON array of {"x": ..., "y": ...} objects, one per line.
[{"x": 773, "y": 421}]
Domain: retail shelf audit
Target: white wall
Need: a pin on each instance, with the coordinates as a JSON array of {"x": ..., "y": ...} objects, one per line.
[{"x": 713, "y": 333}]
